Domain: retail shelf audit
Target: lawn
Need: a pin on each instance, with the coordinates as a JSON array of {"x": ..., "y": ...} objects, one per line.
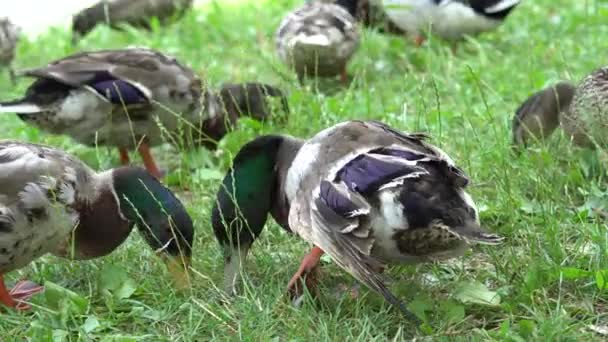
[{"x": 549, "y": 281}]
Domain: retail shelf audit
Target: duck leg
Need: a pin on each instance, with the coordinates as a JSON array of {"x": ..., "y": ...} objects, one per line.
[
  {"x": 124, "y": 156},
  {"x": 344, "y": 75},
  {"x": 5, "y": 296},
  {"x": 149, "y": 163},
  {"x": 307, "y": 274},
  {"x": 19, "y": 294},
  {"x": 419, "y": 40}
]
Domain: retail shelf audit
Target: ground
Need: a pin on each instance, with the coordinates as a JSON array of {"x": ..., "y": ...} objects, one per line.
[{"x": 547, "y": 282}]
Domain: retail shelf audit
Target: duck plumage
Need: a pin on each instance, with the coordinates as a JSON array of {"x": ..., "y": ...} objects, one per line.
[
  {"x": 125, "y": 98},
  {"x": 539, "y": 115},
  {"x": 586, "y": 121},
  {"x": 50, "y": 202},
  {"x": 449, "y": 19},
  {"x": 136, "y": 13},
  {"x": 362, "y": 192},
  {"x": 318, "y": 39}
]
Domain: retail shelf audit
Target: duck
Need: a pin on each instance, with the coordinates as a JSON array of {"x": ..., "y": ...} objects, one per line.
[
  {"x": 132, "y": 98},
  {"x": 319, "y": 39},
  {"x": 363, "y": 192},
  {"x": 449, "y": 19},
  {"x": 137, "y": 13},
  {"x": 540, "y": 114},
  {"x": 586, "y": 119},
  {"x": 51, "y": 202},
  {"x": 9, "y": 37},
  {"x": 236, "y": 100}
]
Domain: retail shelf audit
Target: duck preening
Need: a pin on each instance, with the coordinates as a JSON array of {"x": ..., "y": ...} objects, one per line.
[
  {"x": 360, "y": 191},
  {"x": 51, "y": 202}
]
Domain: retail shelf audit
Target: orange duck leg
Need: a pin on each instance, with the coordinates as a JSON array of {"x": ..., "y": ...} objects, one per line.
[
  {"x": 306, "y": 274},
  {"x": 149, "y": 163},
  {"x": 18, "y": 295}
]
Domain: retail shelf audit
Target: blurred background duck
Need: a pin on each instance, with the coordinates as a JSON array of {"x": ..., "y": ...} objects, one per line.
[
  {"x": 130, "y": 98},
  {"x": 360, "y": 191},
  {"x": 581, "y": 110},
  {"x": 449, "y": 19},
  {"x": 50, "y": 202},
  {"x": 318, "y": 39},
  {"x": 137, "y": 13},
  {"x": 9, "y": 36},
  {"x": 540, "y": 114}
]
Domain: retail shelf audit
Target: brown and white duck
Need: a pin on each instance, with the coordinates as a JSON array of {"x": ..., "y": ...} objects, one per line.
[
  {"x": 137, "y": 13},
  {"x": 51, "y": 202},
  {"x": 318, "y": 39},
  {"x": 360, "y": 191},
  {"x": 131, "y": 98}
]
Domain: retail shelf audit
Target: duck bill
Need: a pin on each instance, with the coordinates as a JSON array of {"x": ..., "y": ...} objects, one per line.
[{"x": 178, "y": 267}]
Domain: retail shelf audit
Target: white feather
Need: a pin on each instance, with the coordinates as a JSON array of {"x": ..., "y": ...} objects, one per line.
[
  {"x": 304, "y": 39},
  {"x": 22, "y": 108},
  {"x": 501, "y": 6}
]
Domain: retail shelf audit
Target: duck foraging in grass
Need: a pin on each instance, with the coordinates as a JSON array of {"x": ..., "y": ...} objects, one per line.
[
  {"x": 9, "y": 36},
  {"x": 137, "y": 13},
  {"x": 130, "y": 98},
  {"x": 318, "y": 39},
  {"x": 50, "y": 202},
  {"x": 236, "y": 100},
  {"x": 362, "y": 192},
  {"x": 449, "y": 19},
  {"x": 538, "y": 116}
]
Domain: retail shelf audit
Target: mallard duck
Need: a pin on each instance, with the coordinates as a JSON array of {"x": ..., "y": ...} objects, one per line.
[
  {"x": 235, "y": 100},
  {"x": 132, "y": 12},
  {"x": 127, "y": 98},
  {"x": 586, "y": 121},
  {"x": 540, "y": 114},
  {"x": 9, "y": 36},
  {"x": 318, "y": 39},
  {"x": 449, "y": 19},
  {"x": 360, "y": 191},
  {"x": 50, "y": 202}
]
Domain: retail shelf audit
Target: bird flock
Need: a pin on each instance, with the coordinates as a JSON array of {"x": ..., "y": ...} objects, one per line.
[{"x": 365, "y": 193}]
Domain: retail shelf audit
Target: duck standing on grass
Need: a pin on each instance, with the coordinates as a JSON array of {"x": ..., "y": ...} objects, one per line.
[
  {"x": 318, "y": 39},
  {"x": 130, "y": 98},
  {"x": 50, "y": 202},
  {"x": 360, "y": 191},
  {"x": 136, "y": 13},
  {"x": 449, "y": 19},
  {"x": 9, "y": 36}
]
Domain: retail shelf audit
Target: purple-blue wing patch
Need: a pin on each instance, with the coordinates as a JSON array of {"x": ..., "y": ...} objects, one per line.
[
  {"x": 336, "y": 200},
  {"x": 365, "y": 174},
  {"x": 119, "y": 91},
  {"x": 453, "y": 173}
]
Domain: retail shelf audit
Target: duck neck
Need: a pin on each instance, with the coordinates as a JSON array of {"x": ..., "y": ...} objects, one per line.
[{"x": 102, "y": 227}]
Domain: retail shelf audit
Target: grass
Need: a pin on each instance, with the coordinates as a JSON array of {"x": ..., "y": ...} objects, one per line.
[{"x": 550, "y": 275}]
